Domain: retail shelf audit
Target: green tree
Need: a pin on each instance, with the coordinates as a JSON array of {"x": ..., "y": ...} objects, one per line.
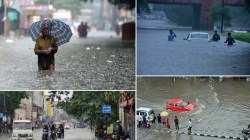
[
  {"x": 179, "y": 14},
  {"x": 217, "y": 11},
  {"x": 10, "y": 100},
  {"x": 142, "y": 6},
  {"x": 247, "y": 5},
  {"x": 90, "y": 105}
]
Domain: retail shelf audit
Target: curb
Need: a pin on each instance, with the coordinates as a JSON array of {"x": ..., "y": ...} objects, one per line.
[
  {"x": 164, "y": 28},
  {"x": 201, "y": 134},
  {"x": 215, "y": 136}
]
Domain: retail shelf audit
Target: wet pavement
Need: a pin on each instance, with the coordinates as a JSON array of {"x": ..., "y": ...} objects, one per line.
[
  {"x": 157, "y": 56},
  {"x": 94, "y": 63},
  {"x": 222, "y": 108},
  {"x": 70, "y": 134}
]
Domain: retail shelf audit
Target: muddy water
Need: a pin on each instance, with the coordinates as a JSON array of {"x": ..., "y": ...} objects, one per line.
[{"x": 223, "y": 108}]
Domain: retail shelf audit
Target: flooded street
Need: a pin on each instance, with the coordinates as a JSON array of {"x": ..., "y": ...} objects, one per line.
[
  {"x": 93, "y": 63},
  {"x": 222, "y": 108},
  {"x": 158, "y": 56}
]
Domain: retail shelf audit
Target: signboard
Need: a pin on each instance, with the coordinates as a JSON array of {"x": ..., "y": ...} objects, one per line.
[
  {"x": 4, "y": 119},
  {"x": 106, "y": 109},
  {"x": 1, "y": 115}
]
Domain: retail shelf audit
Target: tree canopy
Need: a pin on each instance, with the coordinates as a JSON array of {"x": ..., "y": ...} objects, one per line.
[
  {"x": 217, "y": 11},
  {"x": 142, "y": 6},
  {"x": 10, "y": 100},
  {"x": 89, "y": 104},
  {"x": 247, "y": 5}
]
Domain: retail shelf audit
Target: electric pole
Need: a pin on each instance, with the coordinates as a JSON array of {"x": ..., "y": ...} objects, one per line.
[{"x": 222, "y": 16}]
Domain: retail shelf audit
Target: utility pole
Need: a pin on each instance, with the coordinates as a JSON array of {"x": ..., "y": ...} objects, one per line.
[
  {"x": 222, "y": 16},
  {"x": 5, "y": 17},
  {"x": 4, "y": 104},
  {"x": 31, "y": 106}
]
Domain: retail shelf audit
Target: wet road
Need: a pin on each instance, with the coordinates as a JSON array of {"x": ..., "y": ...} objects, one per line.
[
  {"x": 157, "y": 56},
  {"x": 93, "y": 63},
  {"x": 222, "y": 108},
  {"x": 70, "y": 134}
]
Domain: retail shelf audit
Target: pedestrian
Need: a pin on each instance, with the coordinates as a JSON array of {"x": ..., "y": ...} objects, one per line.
[
  {"x": 144, "y": 121},
  {"x": 154, "y": 118},
  {"x": 62, "y": 130},
  {"x": 248, "y": 126},
  {"x": 81, "y": 29},
  {"x": 168, "y": 124},
  {"x": 151, "y": 118},
  {"x": 118, "y": 130},
  {"x": 74, "y": 125},
  {"x": 229, "y": 40},
  {"x": 45, "y": 48},
  {"x": 189, "y": 126},
  {"x": 215, "y": 37},
  {"x": 176, "y": 121},
  {"x": 159, "y": 119},
  {"x": 171, "y": 36},
  {"x": 163, "y": 120}
]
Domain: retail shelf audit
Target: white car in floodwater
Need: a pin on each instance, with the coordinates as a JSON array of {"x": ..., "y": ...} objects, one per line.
[
  {"x": 198, "y": 36},
  {"x": 144, "y": 111}
]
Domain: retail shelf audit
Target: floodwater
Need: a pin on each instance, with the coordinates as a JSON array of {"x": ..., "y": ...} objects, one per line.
[
  {"x": 222, "y": 108},
  {"x": 93, "y": 63},
  {"x": 158, "y": 56}
]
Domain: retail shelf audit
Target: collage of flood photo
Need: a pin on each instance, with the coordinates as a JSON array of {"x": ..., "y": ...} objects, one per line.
[{"x": 124, "y": 69}]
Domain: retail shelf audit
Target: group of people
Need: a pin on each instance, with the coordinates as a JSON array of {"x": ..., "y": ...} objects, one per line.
[
  {"x": 83, "y": 29},
  {"x": 215, "y": 37},
  {"x": 165, "y": 122},
  {"x": 52, "y": 128}
]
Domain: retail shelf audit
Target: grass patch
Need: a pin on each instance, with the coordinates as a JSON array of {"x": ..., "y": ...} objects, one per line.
[{"x": 240, "y": 36}]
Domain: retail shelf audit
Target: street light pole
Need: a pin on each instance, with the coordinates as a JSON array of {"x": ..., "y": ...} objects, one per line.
[
  {"x": 4, "y": 104},
  {"x": 222, "y": 16},
  {"x": 5, "y": 18}
]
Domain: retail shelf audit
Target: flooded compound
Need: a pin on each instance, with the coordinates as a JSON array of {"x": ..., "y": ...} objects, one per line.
[
  {"x": 222, "y": 107},
  {"x": 92, "y": 63}
]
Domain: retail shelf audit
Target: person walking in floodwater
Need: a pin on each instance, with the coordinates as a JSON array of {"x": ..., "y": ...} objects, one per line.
[
  {"x": 171, "y": 36},
  {"x": 45, "y": 48},
  {"x": 189, "y": 126},
  {"x": 176, "y": 121},
  {"x": 81, "y": 29},
  {"x": 159, "y": 119},
  {"x": 229, "y": 40},
  {"x": 168, "y": 124},
  {"x": 215, "y": 37}
]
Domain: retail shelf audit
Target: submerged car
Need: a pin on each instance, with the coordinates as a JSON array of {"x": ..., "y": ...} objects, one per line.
[
  {"x": 179, "y": 105},
  {"x": 198, "y": 36}
]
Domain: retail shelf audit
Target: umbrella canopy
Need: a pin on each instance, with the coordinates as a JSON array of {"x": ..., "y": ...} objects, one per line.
[
  {"x": 58, "y": 29},
  {"x": 164, "y": 113}
]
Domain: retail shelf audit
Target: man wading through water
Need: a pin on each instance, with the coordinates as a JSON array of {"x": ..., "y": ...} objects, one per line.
[{"x": 45, "y": 48}]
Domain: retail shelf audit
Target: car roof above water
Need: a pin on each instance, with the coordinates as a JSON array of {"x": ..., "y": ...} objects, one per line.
[{"x": 198, "y": 33}]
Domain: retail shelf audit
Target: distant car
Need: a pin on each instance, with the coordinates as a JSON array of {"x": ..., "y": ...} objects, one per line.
[
  {"x": 67, "y": 126},
  {"x": 144, "y": 111},
  {"x": 198, "y": 36},
  {"x": 179, "y": 105}
]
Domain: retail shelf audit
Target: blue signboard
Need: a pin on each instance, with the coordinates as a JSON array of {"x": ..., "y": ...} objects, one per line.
[
  {"x": 106, "y": 109},
  {"x": 1, "y": 115}
]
